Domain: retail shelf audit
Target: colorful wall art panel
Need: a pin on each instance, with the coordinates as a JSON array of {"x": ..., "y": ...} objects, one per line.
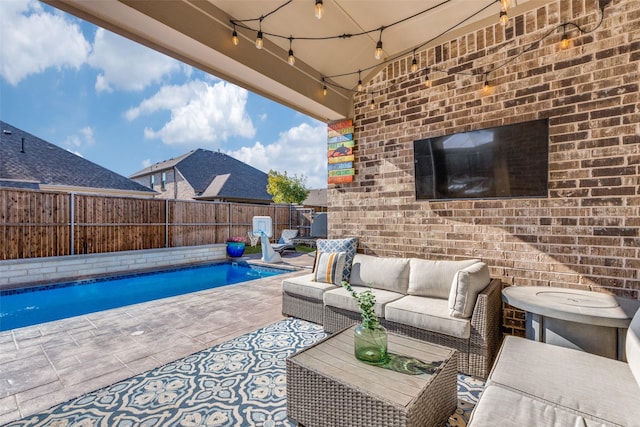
[{"x": 340, "y": 151}]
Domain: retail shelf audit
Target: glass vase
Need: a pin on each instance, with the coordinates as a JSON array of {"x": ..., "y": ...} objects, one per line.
[{"x": 370, "y": 344}]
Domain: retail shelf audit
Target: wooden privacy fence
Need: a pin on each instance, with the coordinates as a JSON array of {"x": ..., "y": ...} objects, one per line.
[{"x": 40, "y": 224}]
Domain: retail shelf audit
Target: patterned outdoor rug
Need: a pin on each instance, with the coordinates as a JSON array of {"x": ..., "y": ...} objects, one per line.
[{"x": 241, "y": 382}]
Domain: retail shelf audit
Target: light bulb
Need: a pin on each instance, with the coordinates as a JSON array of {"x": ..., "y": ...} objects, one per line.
[
  {"x": 372, "y": 105},
  {"x": 292, "y": 59},
  {"x": 487, "y": 89},
  {"x": 324, "y": 90},
  {"x": 359, "y": 85},
  {"x": 427, "y": 82},
  {"x": 234, "y": 38},
  {"x": 378, "y": 53},
  {"x": 259, "y": 41},
  {"x": 565, "y": 43},
  {"x": 505, "y": 4},
  {"x": 319, "y": 9},
  {"x": 504, "y": 18},
  {"x": 414, "y": 65}
]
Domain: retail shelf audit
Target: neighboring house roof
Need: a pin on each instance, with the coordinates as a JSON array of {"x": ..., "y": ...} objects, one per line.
[
  {"x": 317, "y": 197},
  {"x": 215, "y": 175},
  {"x": 40, "y": 164}
]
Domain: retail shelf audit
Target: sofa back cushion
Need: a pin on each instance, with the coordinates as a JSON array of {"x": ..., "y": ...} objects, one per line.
[
  {"x": 433, "y": 278},
  {"x": 391, "y": 274},
  {"x": 329, "y": 267},
  {"x": 633, "y": 347},
  {"x": 465, "y": 287},
  {"x": 348, "y": 245}
]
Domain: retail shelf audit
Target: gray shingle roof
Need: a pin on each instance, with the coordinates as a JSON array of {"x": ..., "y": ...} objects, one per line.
[
  {"x": 45, "y": 163},
  {"x": 205, "y": 171}
]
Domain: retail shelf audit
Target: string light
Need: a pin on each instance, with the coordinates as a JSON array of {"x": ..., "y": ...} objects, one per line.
[
  {"x": 234, "y": 36},
  {"x": 486, "y": 88},
  {"x": 291, "y": 59},
  {"x": 414, "y": 63},
  {"x": 324, "y": 87},
  {"x": 504, "y": 18},
  {"x": 565, "y": 43},
  {"x": 505, "y": 4},
  {"x": 427, "y": 82},
  {"x": 259, "y": 41},
  {"x": 372, "y": 104},
  {"x": 378, "y": 53},
  {"x": 319, "y": 13},
  {"x": 359, "y": 82}
]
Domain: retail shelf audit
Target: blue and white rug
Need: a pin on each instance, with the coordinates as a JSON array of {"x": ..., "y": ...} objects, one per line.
[{"x": 241, "y": 382}]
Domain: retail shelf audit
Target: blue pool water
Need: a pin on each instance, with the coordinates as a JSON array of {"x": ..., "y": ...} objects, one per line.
[{"x": 30, "y": 306}]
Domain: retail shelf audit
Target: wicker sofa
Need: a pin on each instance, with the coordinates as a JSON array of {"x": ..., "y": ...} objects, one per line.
[
  {"x": 538, "y": 384},
  {"x": 452, "y": 303}
]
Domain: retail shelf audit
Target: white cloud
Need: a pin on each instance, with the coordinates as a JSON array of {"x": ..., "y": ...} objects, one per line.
[
  {"x": 146, "y": 163},
  {"x": 301, "y": 150},
  {"x": 127, "y": 65},
  {"x": 34, "y": 40},
  {"x": 82, "y": 139},
  {"x": 202, "y": 115}
]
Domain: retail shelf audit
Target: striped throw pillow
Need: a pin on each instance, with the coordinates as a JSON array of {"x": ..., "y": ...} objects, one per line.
[{"x": 329, "y": 266}]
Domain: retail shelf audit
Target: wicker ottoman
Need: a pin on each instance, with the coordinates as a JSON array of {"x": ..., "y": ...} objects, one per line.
[{"x": 328, "y": 386}]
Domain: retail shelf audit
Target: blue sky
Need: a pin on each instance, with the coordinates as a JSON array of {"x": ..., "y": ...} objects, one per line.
[{"x": 124, "y": 106}]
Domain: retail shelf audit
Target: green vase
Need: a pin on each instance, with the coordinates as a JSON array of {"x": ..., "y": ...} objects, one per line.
[{"x": 370, "y": 344}]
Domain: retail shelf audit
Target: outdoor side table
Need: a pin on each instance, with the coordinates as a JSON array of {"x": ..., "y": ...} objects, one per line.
[
  {"x": 328, "y": 386},
  {"x": 584, "y": 320}
]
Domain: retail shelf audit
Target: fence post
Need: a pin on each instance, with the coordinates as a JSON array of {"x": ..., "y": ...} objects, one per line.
[
  {"x": 166, "y": 223},
  {"x": 72, "y": 214}
]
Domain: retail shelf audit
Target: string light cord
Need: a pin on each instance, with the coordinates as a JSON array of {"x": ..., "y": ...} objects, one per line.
[{"x": 239, "y": 23}]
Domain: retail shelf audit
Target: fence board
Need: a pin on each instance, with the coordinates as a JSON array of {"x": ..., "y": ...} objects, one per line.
[{"x": 37, "y": 223}]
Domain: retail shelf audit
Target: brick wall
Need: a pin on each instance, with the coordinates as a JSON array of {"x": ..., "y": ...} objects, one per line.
[{"x": 586, "y": 233}]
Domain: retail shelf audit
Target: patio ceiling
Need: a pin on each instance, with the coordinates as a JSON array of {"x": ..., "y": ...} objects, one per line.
[{"x": 198, "y": 32}]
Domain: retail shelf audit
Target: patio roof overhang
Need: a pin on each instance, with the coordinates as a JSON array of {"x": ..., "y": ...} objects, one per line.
[{"x": 198, "y": 33}]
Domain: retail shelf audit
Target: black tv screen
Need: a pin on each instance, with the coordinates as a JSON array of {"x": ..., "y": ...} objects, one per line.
[{"x": 505, "y": 161}]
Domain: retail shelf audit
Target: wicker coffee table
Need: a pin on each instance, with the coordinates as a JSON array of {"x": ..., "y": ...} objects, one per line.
[{"x": 328, "y": 386}]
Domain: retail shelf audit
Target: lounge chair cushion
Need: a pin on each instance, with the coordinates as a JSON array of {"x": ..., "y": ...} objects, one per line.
[
  {"x": 633, "y": 346},
  {"x": 341, "y": 298},
  {"x": 391, "y": 274},
  {"x": 465, "y": 287},
  {"x": 329, "y": 267},
  {"x": 349, "y": 245},
  {"x": 306, "y": 287},
  {"x": 433, "y": 278},
  {"x": 431, "y": 314},
  {"x": 600, "y": 388},
  {"x": 287, "y": 235},
  {"x": 502, "y": 407}
]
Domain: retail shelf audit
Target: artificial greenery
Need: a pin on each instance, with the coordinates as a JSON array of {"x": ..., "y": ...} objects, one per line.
[{"x": 366, "y": 300}]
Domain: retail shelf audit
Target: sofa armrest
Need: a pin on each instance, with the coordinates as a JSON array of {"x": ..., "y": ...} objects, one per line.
[{"x": 486, "y": 320}]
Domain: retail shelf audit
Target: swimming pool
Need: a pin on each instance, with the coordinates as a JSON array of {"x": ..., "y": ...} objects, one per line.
[{"x": 30, "y": 306}]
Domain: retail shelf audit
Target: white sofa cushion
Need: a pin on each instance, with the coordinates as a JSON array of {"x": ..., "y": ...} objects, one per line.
[
  {"x": 633, "y": 346},
  {"x": 329, "y": 267},
  {"x": 391, "y": 274},
  {"x": 305, "y": 286},
  {"x": 429, "y": 278},
  {"x": 502, "y": 407},
  {"x": 341, "y": 298},
  {"x": 597, "y": 387},
  {"x": 431, "y": 314},
  {"x": 465, "y": 287}
]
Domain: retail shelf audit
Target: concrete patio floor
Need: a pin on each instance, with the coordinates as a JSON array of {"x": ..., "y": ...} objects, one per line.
[{"x": 47, "y": 364}]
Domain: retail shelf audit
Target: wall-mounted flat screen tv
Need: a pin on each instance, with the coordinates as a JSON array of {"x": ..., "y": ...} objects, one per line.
[{"x": 499, "y": 162}]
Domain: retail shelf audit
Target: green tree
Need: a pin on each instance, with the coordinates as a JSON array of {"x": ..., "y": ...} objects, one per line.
[{"x": 287, "y": 189}]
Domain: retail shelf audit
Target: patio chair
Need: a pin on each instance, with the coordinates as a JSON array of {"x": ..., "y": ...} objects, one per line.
[{"x": 286, "y": 241}]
